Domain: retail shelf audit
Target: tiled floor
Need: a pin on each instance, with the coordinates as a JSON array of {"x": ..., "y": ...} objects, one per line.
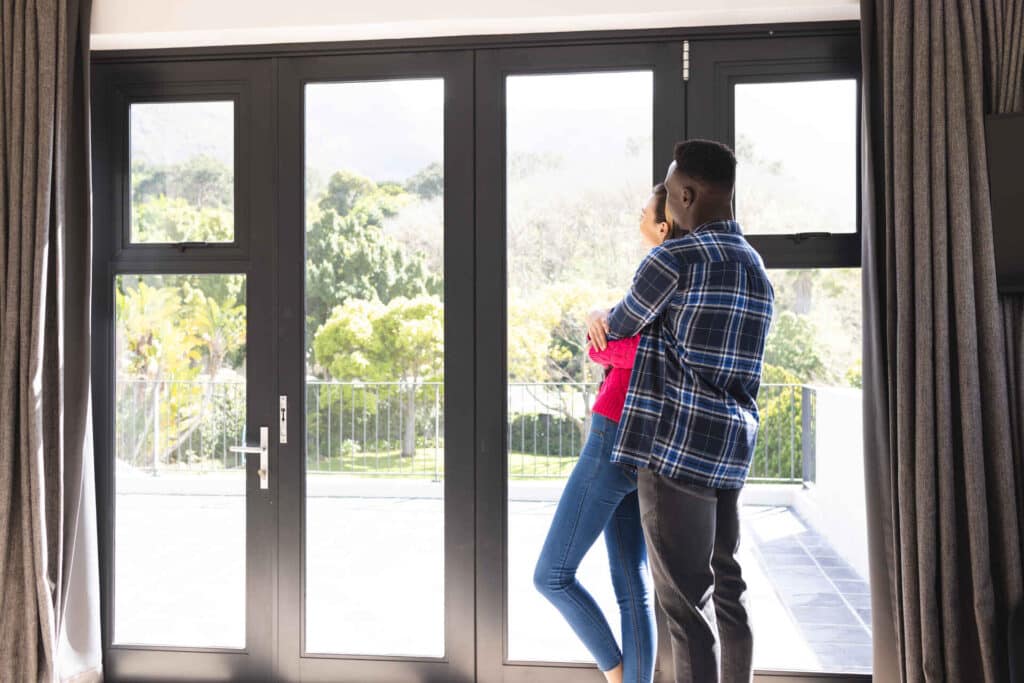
[{"x": 828, "y": 601}]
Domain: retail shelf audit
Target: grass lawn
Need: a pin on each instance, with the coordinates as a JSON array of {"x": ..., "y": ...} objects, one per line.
[{"x": 427, "y": 464}]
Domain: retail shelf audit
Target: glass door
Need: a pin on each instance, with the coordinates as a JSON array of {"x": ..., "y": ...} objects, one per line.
[
  {"x": 187, "y": 443},
  {"x": 383, "y": 258},
  {"x": 570, "y": 142},
  {"x": 790, "y": 108},
  {"x": 376, "y": 251}
]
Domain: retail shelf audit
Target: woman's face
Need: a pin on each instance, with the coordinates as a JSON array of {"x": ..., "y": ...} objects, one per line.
[{"x": 652, "y": 233}]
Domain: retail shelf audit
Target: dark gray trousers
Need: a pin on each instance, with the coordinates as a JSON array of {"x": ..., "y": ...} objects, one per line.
[{"x": 693, "y": 535}]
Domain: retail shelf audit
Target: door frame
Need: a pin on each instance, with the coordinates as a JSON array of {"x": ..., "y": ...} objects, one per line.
[
  {"x": 248, "y": 84},
  {"x": 664, "y": 60},
  {"x": 293, "y": 74},
  {"x": 475, "y": 552}
]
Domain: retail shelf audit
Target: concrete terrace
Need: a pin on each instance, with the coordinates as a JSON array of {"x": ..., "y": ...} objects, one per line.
[{"x": 375, "y": 572}]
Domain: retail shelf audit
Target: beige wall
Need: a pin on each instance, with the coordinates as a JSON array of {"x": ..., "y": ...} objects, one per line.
[{"x": 119, "y": 24}]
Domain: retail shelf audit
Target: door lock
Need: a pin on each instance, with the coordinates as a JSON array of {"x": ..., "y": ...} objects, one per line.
[{"x": 264, "y": 450}]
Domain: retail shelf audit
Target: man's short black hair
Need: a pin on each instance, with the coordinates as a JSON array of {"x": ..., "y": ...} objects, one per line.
[{"x": 709, "y": 161}]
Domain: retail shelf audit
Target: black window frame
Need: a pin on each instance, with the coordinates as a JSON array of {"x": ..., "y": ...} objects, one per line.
[
  {"x": 187, "y": 82},
  {"x": 717, "y": 66},
  {"x": 115, "y": 87},
  {"x": 196, "y": 74}
]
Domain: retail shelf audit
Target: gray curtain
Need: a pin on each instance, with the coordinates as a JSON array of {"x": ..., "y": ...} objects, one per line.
[
  {"x": 944, "y": 531},
  {"x": 1005, "y": 80},
  {"x": 49, "y": 616},
  {"x": 1013, "y": 328}
]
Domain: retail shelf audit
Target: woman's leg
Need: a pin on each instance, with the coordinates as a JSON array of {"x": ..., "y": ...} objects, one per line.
[
  {"x": 627, "y": 555},
  {"x": 583, "y": 511}
]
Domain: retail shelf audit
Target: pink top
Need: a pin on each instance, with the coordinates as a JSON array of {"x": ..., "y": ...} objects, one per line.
[{"x": 619, "y": 355}]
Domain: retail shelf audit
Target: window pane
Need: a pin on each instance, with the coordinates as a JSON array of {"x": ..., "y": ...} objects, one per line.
[
  {"x": 182, "y": 172},
  {"x": 179, "y": 540},
  {"x": 579, "y": 172},
  {"x": 804, "y": 552},
  {"x": 375, "y": 371},
  {"x": 796, "y": 144}
]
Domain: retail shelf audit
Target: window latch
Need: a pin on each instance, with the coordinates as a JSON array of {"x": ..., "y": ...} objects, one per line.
[
  {"x": 804, "y": 236},
  {"x": 182, "y": 246}
]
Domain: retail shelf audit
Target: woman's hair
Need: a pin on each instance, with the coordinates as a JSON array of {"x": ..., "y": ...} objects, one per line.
[{"x": 660, "y": 194}]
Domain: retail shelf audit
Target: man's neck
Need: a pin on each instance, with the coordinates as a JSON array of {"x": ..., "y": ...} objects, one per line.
[{"x": 713, "y": 217}]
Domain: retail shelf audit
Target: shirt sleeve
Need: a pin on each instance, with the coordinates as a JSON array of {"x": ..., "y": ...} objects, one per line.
[
  {"x": 656, "y": 280},
  {"x": 619, "y": 353}
]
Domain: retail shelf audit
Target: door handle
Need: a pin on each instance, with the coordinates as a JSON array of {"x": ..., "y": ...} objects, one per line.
[{"x": 264, "y": 450}]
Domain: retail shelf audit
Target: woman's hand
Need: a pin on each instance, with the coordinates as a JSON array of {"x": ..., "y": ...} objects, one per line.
[{"x": 597, "y": 328}]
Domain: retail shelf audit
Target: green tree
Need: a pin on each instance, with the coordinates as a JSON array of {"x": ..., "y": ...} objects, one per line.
[
  {"x": 370, "y": 341},
  {"x": 855, "y": 374},
  {"x": 202, "y": 181},
  {"x": 547, "y": 347},
  {"x": 349, "y": 256},
  {"x": 427, "y": 183},
  {"x": 163, "y": 219},
  {"x": 154, "y": 344},
  {"x": 170, "y": 333},
  {"x": 344, "y": 190},
  {"x": 779, "y": 451},
  {"x": 791, "y": 345},
  {"x": 220, "y": 327}
]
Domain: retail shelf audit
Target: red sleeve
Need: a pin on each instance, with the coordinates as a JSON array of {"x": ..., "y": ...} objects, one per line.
[{"x": 618, "y": 354}]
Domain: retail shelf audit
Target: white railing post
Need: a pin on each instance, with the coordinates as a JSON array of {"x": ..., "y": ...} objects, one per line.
[
  {"x": 437, "y": 426},
  {"x": 156, "y": 426}
]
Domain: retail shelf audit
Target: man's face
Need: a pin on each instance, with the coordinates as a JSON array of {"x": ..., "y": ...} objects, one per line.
[{"x": 680, "y": 198}]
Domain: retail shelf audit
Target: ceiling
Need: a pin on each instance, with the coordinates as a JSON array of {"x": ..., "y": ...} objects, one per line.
[{"x": 126, "y": 24}]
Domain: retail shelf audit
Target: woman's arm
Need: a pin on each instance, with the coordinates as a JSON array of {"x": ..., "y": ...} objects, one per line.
[{"x": 619, "y": 353}]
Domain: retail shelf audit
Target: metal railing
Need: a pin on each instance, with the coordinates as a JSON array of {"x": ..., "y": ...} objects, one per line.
[
  {"x": 180, "y": 424},
  {"x": 785, "y": 440},
  {"x": 396, "y": 429}
]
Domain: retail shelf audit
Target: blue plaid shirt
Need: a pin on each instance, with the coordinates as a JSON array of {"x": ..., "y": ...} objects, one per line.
[{"x": 704, "y": 304}]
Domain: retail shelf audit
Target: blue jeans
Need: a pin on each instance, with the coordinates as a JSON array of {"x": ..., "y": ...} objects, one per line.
[{"x": 602, "y": 496}]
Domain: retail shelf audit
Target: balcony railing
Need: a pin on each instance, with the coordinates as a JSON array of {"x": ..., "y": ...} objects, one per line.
[{"x": 394, "y": 429}]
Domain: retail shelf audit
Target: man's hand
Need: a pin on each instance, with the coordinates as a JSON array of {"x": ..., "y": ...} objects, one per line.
[{"x": 597, "y": 329}]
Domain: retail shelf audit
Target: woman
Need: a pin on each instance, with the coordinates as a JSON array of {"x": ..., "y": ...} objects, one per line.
[{"x": 601, "y": 496}]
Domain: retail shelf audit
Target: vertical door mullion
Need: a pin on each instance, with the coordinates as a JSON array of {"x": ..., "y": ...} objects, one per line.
[{"x": 290, "y": 363}]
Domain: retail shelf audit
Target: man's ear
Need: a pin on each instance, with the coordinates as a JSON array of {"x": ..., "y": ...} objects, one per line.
[{"x": 689, "y": 195}]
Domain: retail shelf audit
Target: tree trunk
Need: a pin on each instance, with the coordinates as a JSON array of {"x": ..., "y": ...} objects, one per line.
[{"x": 409, "y": 434}]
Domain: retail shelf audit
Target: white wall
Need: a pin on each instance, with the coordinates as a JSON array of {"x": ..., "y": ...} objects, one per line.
[
  {"x": 835, "y": 504},
  {"x": 123, "y": 24}
]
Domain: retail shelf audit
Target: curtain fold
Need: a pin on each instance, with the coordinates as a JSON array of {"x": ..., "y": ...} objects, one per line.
[
  {"x": 1013, "y": 329},
  {"x": 944, "y": 533},
  {"x": 1005, "y": 78},
  {"x": 49, "y": 617}
]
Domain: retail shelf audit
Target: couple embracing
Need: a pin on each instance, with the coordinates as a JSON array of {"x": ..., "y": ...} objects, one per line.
[{"x": 672, "y": 437}]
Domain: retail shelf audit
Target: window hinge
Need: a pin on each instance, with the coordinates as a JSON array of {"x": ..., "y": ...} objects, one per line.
[{"x": 686, "y": 61}]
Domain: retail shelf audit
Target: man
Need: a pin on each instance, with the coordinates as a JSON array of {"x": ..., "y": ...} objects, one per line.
[{"x": 690, "y": 421}]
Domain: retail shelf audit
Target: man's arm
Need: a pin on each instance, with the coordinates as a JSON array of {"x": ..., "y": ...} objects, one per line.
[{"x": 656, "y": 281}]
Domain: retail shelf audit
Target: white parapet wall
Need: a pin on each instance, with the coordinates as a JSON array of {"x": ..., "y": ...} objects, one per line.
[{"x": 834, "y": 503}]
